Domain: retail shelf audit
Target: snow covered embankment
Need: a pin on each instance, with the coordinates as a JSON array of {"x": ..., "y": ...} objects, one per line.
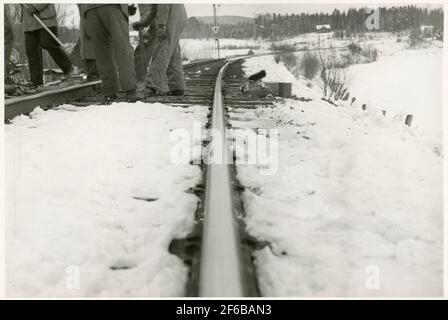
[
  {"x": 355, "y": 208},
  {"x": 93, "y": 201}
]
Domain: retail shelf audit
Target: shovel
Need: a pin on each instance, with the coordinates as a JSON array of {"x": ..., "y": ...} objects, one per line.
[{"x": 50, "y": 32}]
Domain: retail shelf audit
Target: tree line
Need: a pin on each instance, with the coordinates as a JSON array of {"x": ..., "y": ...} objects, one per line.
[
  {"x": 352, "y": 21},
  {"x": 196, "y": 29}
]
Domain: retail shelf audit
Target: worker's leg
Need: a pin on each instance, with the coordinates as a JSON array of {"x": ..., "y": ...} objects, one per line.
[
  {"x": 162, "y": 55},
  {"x": 175, "y": 71},
  {"x": 102, "y": 45},
  {"x": 156, "y": 75},
  {"x": 9, "y": 41},
  {"x": 139, "y": 61},
  {"x": 117, "y": 24},
  {"x": 91, "y": 69},
  {"x": 55, "y": 50},
  {"x": 34, "y": 55}
]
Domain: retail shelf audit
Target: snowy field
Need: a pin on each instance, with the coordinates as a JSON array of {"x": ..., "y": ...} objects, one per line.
[
  {"x": 356, "y": 206},
  {"x": 91, "y": 192},
  {"x": 197, "y": 49},
  {"x": 409, "y": 82}
]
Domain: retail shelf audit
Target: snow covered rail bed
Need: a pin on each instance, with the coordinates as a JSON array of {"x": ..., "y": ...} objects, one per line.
[
  {"x": 91, "y": 214},
  {"x": 225, "y": 267}
]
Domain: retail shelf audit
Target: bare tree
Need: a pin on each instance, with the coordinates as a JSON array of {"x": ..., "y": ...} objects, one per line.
[{"x": 333, "y": 79}]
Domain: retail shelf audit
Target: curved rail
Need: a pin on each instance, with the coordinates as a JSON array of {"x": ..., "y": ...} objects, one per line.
[{"x": 221, "y": 271}]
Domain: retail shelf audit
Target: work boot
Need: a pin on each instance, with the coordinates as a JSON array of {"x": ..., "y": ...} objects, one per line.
[
  {"x": 176, "y": 92},
  {"x": 31, "y": 85},
  {"x": 131, "y": 96},
  {"x": 151, "y": 92},
  {"x": 141, "y": 88},
  {"x": 110, "y": 98},
  {"x": 67, "y": 77},
  {"x": 10, "y": 89}
]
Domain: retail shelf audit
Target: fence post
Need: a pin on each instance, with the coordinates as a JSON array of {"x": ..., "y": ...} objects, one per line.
[{"x": 408, "y": 120}]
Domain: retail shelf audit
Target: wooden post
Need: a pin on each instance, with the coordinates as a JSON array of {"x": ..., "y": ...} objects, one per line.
[{"x": 408, "y": 120}]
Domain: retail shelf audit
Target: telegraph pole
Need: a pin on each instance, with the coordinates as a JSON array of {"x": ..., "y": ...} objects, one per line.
[{"x": 215, "y": 29}]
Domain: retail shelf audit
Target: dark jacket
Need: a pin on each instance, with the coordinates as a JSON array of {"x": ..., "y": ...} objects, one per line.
[
  {"x": 45, "y": 11},
  {"x": 147, "y": 13},
  {"x": 89, "y": 6},
  {"x": 86, "y": 43},
  {"x": 168, "y": 14}
]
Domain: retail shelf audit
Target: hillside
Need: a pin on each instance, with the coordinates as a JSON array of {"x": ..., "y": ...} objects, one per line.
[{"x": 226, "y": 19}]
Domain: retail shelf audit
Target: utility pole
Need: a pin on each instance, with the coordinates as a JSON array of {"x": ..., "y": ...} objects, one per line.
[{"x": 215, "y": 30}]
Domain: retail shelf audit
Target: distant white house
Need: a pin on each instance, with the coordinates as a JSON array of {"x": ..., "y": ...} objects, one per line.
[
  {"x": 323, "y": 28},
  {"x": 427, "y": 31}
]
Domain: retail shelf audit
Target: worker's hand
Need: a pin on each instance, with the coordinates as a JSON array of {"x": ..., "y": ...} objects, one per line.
[
  {"x": 161, "y": 32},
  {"x": 31, "y": 10},
  {"x": 137, "y": 25},
  {"x": 68, "y": 48},
  {"x": 132, "y": 9}
]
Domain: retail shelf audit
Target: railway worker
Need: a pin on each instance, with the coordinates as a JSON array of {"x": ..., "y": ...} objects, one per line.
[
  {"x": 144, "y": 49},
  {"x": 108, "y": 26},
  {"x": 9, "y": 86},
  {"x": 37, "y": 38},
  {"x": 86, "y": 48},
  {"x": 166, "y": 59},
  {"x": 9, "y": 41}
]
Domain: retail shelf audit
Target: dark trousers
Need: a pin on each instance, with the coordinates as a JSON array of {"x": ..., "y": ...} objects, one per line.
[
  {"x": 109, "y": 29},
  {"x": 9, "y": 41},
  {"x": 37, "y": 40},
  {"x": 91, "y": 69}
]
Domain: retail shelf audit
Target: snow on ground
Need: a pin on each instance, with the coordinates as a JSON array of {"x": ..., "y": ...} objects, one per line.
[
  {"x": 197, "y": 49},
  {"x": 278, "y": 72},
  {"x": 409, "y": 82},
  {"x": 355, "y": 207},
  {"x": 93, "y": 189}
]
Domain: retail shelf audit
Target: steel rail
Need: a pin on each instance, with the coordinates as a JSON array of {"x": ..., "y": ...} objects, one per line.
[
  {"x": 221, "y": 273},
  {"x": 25, "y": 104}
]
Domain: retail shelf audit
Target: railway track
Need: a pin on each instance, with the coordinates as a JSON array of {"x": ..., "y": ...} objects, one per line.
[
  {"x": 84, "y": 94},
  {"x": 219, "y": 252}
]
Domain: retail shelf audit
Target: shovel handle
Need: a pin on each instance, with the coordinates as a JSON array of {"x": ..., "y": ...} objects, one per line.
[{"x": 48, "y": 30}]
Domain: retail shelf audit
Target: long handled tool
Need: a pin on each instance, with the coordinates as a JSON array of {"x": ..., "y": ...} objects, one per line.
[
  {"x": 143, "y": 48},
  {"x": 141, "y": 43},
  {"x": 49, "y": 31}
]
